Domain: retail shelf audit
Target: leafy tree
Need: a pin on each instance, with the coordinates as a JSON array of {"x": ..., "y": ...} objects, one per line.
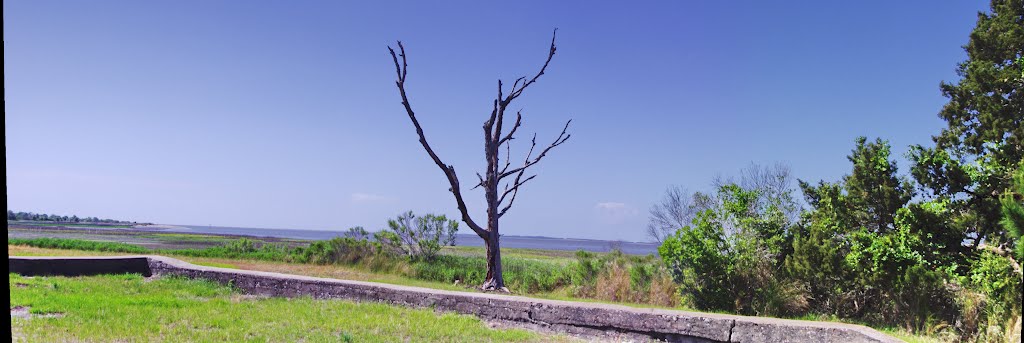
[
  {"x": 874, "y": 185},
  {"x": 973, "y": 157},
  {"x": 357, "y": 232},
  {"x": 864, "y": 251},
  {"x": 679, "y": 206},
  {"x": 730, "y": 257},
  {"x": 819, "y": 247},
  {"x": 942, "y": 240},
  {"x": 1013, "y": 211},
  {"x": 420, "y": 238},
  {"x": 698, "y": 257}
]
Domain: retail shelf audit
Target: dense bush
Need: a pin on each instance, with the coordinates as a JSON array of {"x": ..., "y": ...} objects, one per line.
[
  {"x": 862, "y": 251},
  {"x": 730, "y": 258},
  {"x": 420, "y": 238}
]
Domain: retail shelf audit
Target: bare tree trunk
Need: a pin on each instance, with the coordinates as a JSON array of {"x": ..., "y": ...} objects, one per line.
[
  {"x": 494, "y": 138},
  {"x": 494, "y": 280}
]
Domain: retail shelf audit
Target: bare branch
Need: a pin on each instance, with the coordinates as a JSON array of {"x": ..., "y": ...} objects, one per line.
[
  {"x": 515, "y": 191},
  {"x": 478, "y": 176},
  {"x": 562, "y": 137},
  {"x": 449, "y": 171},
  {"x": 499, "y": 108},
  {"x": 508, "y": 157},
  {"x": 515, "y": 93},
  {"x": 519, "y": 121}
]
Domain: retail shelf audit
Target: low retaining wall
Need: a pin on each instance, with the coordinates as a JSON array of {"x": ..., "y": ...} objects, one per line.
[
  {"x": 573, "y": 317},
  {"x": 79, "y": 266}
]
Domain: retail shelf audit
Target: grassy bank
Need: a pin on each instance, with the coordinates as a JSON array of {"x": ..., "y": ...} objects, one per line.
[{"x": 130, "y": 308}]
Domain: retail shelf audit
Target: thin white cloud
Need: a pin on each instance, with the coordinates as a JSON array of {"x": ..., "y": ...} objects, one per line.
[
  {"x": 364, "y": 198},
  {"x": 612, "y": 213},
  {"x": 610, "y": 206}
]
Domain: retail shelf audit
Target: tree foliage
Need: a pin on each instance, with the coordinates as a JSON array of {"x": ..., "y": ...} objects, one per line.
[
  {"x": 420, "y": 238},
  {"x": 731, "y": 254},
  {"x": 975, "y": 154},
  {"x": 42, "y": 217},
  {"x": 1013, "y": 211}
]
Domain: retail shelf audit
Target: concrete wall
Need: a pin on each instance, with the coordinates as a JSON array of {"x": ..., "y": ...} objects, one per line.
[
  {"x": 580, "y": 318},
  {"x": 79, "y": 266}
]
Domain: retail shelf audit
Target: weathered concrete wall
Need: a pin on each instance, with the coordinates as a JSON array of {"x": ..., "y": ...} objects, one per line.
[
  {"x": 79, "y": 266},
  {"x": 573, "y": 317}
]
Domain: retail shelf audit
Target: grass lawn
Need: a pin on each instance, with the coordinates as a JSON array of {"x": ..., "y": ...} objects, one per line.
[{"x": 132, "y": 308}]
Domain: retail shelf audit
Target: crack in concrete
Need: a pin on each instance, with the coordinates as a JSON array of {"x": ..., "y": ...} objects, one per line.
[{"x": 732, "y": 326}]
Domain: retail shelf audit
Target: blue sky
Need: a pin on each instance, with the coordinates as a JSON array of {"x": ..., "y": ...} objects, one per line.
[{"x": 284, "y": 114}]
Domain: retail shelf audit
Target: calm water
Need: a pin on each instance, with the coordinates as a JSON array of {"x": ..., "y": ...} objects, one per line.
[{"x": 461, "y": 239}]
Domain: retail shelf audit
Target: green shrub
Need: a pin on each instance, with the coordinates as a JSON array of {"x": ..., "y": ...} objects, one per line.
[{"x": 420, "y": 238}]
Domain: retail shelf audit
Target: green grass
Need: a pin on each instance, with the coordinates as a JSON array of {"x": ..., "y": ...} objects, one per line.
[
  {"x": 78, "y": 244},
  {"x": 131, "y": 308}
]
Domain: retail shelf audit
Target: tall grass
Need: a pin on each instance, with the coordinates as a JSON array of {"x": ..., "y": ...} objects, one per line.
[
  {"x": 623, "y": 278},
  {"x": 78, "y": 244},
  {"x": 521, "y": 275},
  {"x": 239, "y": 249}
]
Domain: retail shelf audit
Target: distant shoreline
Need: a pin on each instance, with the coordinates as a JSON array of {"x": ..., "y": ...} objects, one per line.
[
  {"x": 280, "y": 235},
  {"x": 190, "y": 227}
]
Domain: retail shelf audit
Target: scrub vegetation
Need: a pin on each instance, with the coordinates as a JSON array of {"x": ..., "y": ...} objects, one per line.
[{"x": 935, "y": 251}]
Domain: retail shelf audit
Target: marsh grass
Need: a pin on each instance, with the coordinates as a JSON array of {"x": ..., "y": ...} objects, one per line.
[
  {"x": 78, "y": 244},
  {"x": 130, "y": 308}
]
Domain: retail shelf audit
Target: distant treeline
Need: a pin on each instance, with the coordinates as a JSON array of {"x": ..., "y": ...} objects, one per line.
[{"x": 11, "y": 215}]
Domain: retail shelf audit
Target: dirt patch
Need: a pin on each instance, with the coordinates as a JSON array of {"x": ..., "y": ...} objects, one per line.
[{"x": 23, "y": 312}]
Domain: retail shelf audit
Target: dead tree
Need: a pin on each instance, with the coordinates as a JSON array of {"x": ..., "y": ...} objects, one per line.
[{"x": 501, "y": 181}]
